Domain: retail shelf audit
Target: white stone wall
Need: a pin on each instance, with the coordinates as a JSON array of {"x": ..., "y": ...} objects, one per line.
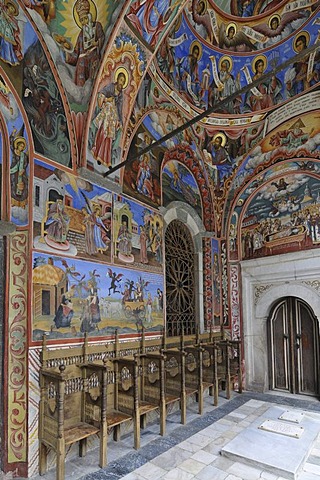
[{"x": 264, "y": 282}]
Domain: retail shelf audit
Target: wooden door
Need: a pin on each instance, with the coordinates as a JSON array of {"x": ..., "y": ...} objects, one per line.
[{"x": 294, "y": 347}]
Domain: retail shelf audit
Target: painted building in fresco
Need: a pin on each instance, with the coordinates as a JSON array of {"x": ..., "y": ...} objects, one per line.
[{"x": 96, "y": 164}]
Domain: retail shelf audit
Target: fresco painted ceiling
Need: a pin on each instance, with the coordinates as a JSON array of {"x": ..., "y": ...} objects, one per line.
[{"x": 95, "y": 82}]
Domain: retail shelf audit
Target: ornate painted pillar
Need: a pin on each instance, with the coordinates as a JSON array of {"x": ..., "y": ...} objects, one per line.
[{"x": 14, "y": 298}]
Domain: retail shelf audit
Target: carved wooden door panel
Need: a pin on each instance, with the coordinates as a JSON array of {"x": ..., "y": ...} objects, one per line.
[{"x": 294, "y": 347}]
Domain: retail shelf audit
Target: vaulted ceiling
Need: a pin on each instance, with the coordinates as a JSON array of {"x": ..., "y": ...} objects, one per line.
[{"x": 92, "y": 83}]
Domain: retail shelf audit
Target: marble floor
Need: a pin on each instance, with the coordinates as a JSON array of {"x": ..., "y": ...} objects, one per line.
[{"x": 193, "y": 451}]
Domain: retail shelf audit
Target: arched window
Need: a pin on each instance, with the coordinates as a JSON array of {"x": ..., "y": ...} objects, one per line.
[{"x": 180, "y": 280}]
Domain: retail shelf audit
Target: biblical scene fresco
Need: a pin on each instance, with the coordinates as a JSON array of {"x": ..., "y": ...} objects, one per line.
[
  {"x": 72, "y": 297},
  {"x": 70, "y": 215},
  {"x": 24, "y": 61},
  {"x": 137, "y": 235},
  {"x": 178, "y": 184},
  {"x": 299, "y": 137},
  {"x": 18, "y": 154},
  {"x": 284, "y": 216}
]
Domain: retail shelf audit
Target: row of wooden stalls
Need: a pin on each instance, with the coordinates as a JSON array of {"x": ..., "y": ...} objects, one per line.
[{"x": 96, "y": 388}]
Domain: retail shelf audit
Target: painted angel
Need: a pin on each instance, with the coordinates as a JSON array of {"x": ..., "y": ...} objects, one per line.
[
  {"x": 280, "y": 27},
  {"x": 233, "y": 40}
]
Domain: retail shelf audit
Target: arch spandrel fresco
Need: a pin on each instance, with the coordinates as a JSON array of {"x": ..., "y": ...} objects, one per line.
[
  {"x": 178, "y": 184},
  {"x": 122, "y": 73},
  {"x": 76, "y": 34},
  {"x": 15, "y": 154},
  {"x": 23, "y": 59}
]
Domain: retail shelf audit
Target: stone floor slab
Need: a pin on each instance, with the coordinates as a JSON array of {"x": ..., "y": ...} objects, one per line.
[{"x": 279, "y": 454}]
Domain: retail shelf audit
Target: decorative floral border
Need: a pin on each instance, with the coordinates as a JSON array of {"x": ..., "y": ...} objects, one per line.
[{"x": 17, "y": 349}]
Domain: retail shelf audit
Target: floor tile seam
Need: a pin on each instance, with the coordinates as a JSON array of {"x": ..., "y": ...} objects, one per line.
[{"x": 183, "y": 432}]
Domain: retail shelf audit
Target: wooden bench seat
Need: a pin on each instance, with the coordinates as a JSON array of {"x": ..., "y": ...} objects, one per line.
[
  {"x": 79, "y": 432},
  {"x": 229, "y": 364},
  {"x": 72, "y": 408},
  {"x": 129, "y": 399}
]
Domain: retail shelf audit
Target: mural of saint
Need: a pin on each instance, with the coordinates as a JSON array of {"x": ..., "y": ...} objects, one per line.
[
  {"x": 304, "y": 73},
  {"x": 125, "y": 244},
  {"x": 108, "y": 121},
  {"x": 86, "y": 54},
  {"x": 188, "y": 73},
  {"x": 201, "y": 20},
  {"x": 268, "y": 92},
  {"x": 218, "y": 156},
  {"x": 279, "y": 27},
  {"x": 249, "y": 8},
  {"x": 18, "y": 170},
  {"x": 144, "y": 178},
  {"x": 10, "y": 42},
  {"x": 57, "y": 225},
  {"x": 223, "y": 85}
]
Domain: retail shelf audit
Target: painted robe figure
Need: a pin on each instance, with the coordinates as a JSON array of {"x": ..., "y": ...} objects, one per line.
[
  {"x": 109, "y": 120},
  {"x": 57, "y": 223},
  {"x": 143, "y": 245},
  {"x": 188, "y": 73},
  {"x": 18, "y": 171},
  {"x": 10, "y": 43},
  {"x": 269, "y": 90},
  {"x": 64, "y": 312},
  {"x": 124, "y": 240},
  {"x": 87, "y": 51}
]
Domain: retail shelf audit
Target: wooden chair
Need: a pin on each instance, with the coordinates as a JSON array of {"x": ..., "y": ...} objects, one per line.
[
  {"x": 199, "y": 375},
  {"x": 229, "y": 364},
  {"x": 129, "y": 399},
  {"x": 175, "y": 379},
  {"x": 72, "y": 408},
  {"x": 152, "y": 385},
  {"x": 210, "y": 369}
]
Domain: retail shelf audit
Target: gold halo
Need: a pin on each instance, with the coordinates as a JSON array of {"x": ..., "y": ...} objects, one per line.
[
  {"x": 259, "y": 57},
  {"x": 272, "y": 18},
  {"x": 125, "y": 73},
  {"x": 93, "y": 11},
  {"x": 198, "y": 44},
  {"x": 228, "y": 59},
  {"x": 222, "y": 135},
  {"x": 205, "y": 5},
  {"x": 19, "y": 140},
  {"x": 234, "y": 25},
  {"x": 15, "y": 6},
  {"x": 304, "y": 34}
]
